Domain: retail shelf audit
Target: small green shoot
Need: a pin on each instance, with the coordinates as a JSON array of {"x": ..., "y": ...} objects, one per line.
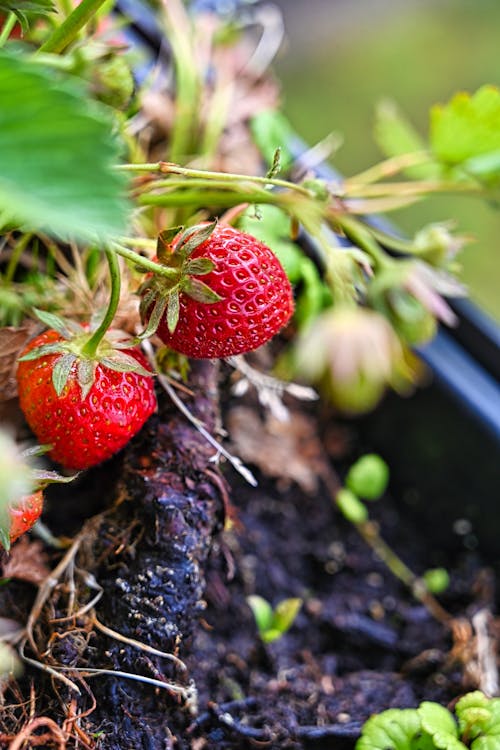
[
  {"x": 368, "y": 477},
  {"x": 273, "y": 623}
]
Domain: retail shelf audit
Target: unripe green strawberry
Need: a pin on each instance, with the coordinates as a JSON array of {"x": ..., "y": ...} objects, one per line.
[
  {"x": 86, "y": 422},
  {"x": 244, "y": 300},
  {"x": 24, "y": 514}
]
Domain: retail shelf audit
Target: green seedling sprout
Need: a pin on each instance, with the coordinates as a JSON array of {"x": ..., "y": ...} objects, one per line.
[
  {"x": 370, "y": 477},
  {"x": 273, "y": 623}
]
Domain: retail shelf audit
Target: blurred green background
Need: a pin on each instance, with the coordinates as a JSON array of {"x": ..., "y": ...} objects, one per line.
[{"x": 342, "y": 57}]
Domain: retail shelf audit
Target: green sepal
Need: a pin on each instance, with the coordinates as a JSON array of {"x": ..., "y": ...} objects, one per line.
[
  {"x": 173, "y": 311},
  {"x": 160, "y": 305},
  {"x": 85, "y": 375},
  {"x": 5, "y": 524},
  {"x": 36, "y": 450},
  {"x": 200, "y": 291},
  {"x": 41, "y": 351},
  {"x": 64, "y": 327},
  {"x": 61, "y": 371},
  {"x": 199, "y": 266},
  {"x": 43, "y": 478},
  {"x": 193, "y": 237},
  {"x": 121, "y": 362},
  {"x": 149, "y": 294},
  {"x": 164, "y": 243}
]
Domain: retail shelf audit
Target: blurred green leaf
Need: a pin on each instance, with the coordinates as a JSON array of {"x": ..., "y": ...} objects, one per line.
[
  {"x": 395, "y": 728},
  {"x": 271, "y": 131},
  {"x": 273, "y": 623},
  {"x": 395, "y": 136},
  {"x": 436, "y": 718},
  {"x": 262, "y": 612},
  {"x": 467, "y": 127},
  {"x": 56, "y": 155}
]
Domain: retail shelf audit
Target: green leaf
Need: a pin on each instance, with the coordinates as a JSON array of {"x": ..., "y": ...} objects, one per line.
[
  {"x": 395, "y": 136},
  {"x": 285, "y": 613},
  {"x": 436, "y": 718},
  {"x": 57, "y": 155},
  {"x": 394, "y": 729},
  {"x": 436, "y": 580},
  {"x": 61, "y": 371},
  {"x": 351, "y": 506},
  {"x": 479, "y": 720},
  {"x": 466, "y": 127},
  {"x": 368, "y": 477},
  {"x": 271, "y": 131},
  {"x": 262, "y": 612}
]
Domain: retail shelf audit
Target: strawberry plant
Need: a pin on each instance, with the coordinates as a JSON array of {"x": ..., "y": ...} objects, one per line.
[{"x": 158, "y": 224}]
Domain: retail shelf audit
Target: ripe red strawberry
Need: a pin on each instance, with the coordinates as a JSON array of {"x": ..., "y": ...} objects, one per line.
[
  {"x": 86, "y": 409},
  {"x": 245, "y": 300},
  {"x": 24, "y": 513}
]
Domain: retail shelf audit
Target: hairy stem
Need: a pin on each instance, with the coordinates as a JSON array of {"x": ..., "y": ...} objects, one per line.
[
  {"x": 90, "y": 347},
  {"x": 210, "y": 176},
  {"x": 70, "y": 28},
  {"x": 9, "y": 24},
  {"x": 144, "y": 263}
]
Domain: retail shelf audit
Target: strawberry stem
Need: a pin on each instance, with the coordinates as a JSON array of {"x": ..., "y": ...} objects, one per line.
[
  {"x": 9, "y": 24},
  {"x": 142, "y": 262},
  {"x": 90, "y": 348},
  {"x": 64, "y": 34}
]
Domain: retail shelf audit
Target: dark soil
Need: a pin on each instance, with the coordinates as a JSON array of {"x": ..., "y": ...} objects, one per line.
[{"x": 174, "y": 581}]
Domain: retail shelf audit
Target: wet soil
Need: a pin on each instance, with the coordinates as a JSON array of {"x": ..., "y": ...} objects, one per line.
[{"x": 175, "y": 581}]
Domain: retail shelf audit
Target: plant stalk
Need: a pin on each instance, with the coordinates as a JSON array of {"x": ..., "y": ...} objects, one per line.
[
  {"x": 71, "y": 26},
  {"x": 209, "y": 176},
  {"x": 369, "y": 531},
  {"x": 144, "y": 263},
  {"x": 9, "y": 24},
  {"x": 92, "y": 344}
]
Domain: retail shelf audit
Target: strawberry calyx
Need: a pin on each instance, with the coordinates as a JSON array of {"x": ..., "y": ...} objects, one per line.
[
  {"x": 72, "y": 348},
  {"x": 160, "y": 295}
]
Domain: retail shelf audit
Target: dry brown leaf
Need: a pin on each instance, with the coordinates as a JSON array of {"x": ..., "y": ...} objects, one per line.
[
  {"x": 27, "y": 561},
  {"x": 286, "y": 450},
  {"x": 12, "y": 340}
]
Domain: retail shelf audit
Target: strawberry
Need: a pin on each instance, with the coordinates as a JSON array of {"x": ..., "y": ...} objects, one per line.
[
  {"x": 86, "y": 408},
  {"x": 245, "y": 300},
  {"x": 24, "y": 513}
]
